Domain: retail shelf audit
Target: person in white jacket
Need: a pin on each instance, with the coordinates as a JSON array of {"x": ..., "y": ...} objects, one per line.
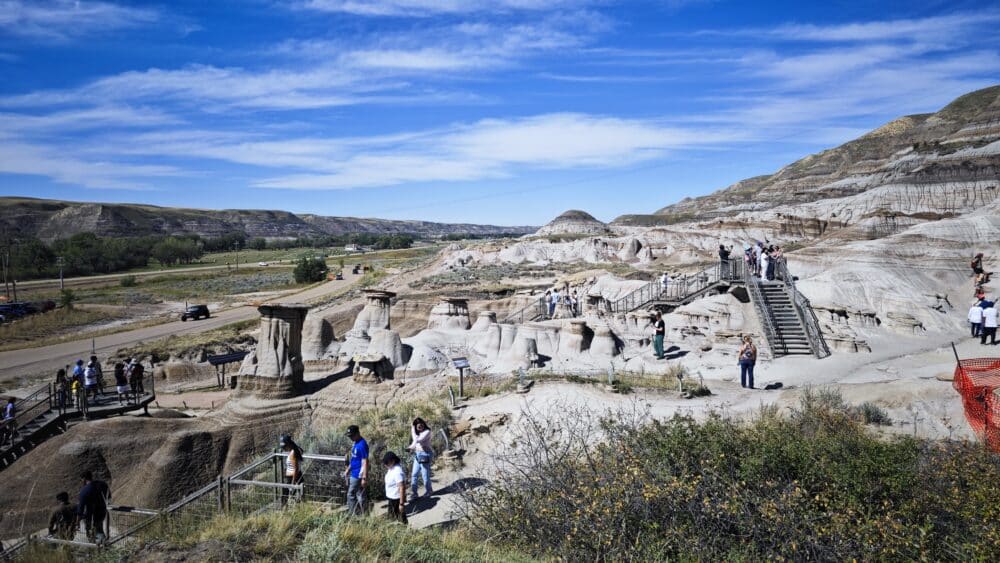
[
  {"x": 989, "y": 324},
  {"x": 423, "y": 455},
  {"x": 976, "y": 318}
]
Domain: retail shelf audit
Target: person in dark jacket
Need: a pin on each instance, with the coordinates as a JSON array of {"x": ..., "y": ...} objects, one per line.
[
  {"x": 92, "y": 506},
  {"x": 63, "y": 522}
]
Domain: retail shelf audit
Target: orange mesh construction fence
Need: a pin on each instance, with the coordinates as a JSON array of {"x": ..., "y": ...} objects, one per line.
[{"x": 976, "y": 380}]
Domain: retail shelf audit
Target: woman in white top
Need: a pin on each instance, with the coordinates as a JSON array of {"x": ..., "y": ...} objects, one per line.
[
  {"x": 395, "y": 487},
  {"x": 422, "y": 455}
]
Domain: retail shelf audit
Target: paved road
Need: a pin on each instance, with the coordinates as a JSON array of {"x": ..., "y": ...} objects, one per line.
[{"x": 32, "y": 361}]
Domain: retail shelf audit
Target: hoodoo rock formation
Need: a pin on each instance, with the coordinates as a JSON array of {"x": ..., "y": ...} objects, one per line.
[{"x": 275, "y": 372}]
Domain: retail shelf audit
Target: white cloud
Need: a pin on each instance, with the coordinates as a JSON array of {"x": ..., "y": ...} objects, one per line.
[
  {"x": 500, "y": 147},
  {"x": 422, "y": 8},
  {"x": 923, "y": 29},
  {"x": 64, "y": 19},
  {"x": 62, "y": 166}
]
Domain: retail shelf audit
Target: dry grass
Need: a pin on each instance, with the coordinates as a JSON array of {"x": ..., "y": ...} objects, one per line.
[
  {"x": 234, "y": 334},
  {"x": 46, "y": 328}
]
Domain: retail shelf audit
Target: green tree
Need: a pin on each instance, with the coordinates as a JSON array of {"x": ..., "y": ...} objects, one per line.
[
  {"x": 257, "y": 243},
  {"x": 310, "y": 270},
  {"x": 67, "y": 298}
]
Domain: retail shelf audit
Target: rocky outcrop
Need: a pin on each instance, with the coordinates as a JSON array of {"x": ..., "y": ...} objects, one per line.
[
  {"x": 573, "y": 222},
  {"x": 276, "y": 371}
]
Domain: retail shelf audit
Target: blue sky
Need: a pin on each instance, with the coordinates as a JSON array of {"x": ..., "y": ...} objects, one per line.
[{"x": 501, "y": 111}]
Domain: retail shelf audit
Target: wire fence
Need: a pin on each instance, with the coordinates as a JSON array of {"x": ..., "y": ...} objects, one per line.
[{"x": 254, "y": 489}]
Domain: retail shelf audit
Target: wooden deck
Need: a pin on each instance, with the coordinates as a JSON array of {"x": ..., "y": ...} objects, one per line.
[{"x": 41, "y": 418}]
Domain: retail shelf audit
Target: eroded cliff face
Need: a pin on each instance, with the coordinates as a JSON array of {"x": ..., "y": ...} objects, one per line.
[
  {"x": 955, "y": 148},
  {"x": 880, "y": 231}
]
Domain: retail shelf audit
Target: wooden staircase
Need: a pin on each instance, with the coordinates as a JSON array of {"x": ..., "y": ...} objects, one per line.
[{"x": 40, "y": 417}]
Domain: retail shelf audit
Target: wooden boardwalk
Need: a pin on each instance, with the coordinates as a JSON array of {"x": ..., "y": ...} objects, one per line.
[{"x": 41, "y": 416}]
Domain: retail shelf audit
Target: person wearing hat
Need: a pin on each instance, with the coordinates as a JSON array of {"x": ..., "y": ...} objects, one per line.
[
  {"x": 357, "y": 471},
  {"x": 293, "y": 464}
]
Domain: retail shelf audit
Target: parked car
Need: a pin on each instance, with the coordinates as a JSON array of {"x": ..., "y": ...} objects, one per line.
[
  {"x": 340, "y": 276},
  {"x": 195, "y": 312},
  {"x": 262, "y": 264}
]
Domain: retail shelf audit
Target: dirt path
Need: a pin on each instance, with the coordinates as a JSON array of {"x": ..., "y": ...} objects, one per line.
[{"x": 31, "y": 361}]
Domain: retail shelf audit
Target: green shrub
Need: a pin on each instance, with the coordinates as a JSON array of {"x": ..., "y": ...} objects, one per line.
[
  {"x": 812, "y": 486},
  {"x": 128, "y": 281},
  {"x": 874, "y": 414},
  {"x": 67, "y": 298},
  {"x": 310, "y": 270}
]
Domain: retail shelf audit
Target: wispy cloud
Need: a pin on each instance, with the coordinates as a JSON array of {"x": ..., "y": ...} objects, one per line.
[
  {"x": 61, "y": 166},
  {"x": 422, "y": 8},
  {"x": 933, "y": 28},
  {"x": 64, "y": 19}
]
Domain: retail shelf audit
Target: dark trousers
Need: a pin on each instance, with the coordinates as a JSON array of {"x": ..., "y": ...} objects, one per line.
[
  {"x": 395, "y": 512},
  {"x": 988, "y": 331},
  {"x": 976, "y": 327},
  {"x": 285, "y": 493},
  {"x": 746, "y": 374}
]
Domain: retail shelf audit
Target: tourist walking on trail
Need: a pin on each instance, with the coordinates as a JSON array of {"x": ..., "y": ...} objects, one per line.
[
  {"x": 423, "y": 455},
  {"x": 9, "y": 424},
  {"x": 100, "y": 374},
  {"x": 293, "y": 464},
  {"x": 90, "y": 379},
  {"x": 747, "y": 360},
  {"x": 63, "y": 522},
  {"x": 556, "y": 299},
  {"x": 61, "y": 389},
  {"x": 78, "y": 371},
  {"x": 395, "y": 487},
  {"x": 725, "y": 270},
  {"x": 976, "y": 318},
  {"x": 977, "y": 264},
  {"x": 121, "y": 382},
  {"x": 989, "y": 329},
  {"x": 135, "y": 372},
  {"x": 92, "y": 506},
  {"x": 660, "y": 331},
  {"x": 357, "y": 471}
]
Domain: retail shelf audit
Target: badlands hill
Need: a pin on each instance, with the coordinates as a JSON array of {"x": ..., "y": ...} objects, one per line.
[
  {"x": 928, "y": 149},
  {"x": 50, "y": 219},
  {"x": 574, "y": 222}
]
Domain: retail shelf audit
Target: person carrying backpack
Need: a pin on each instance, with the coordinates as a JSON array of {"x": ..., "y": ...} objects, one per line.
[{"x": 747, "y": 360}]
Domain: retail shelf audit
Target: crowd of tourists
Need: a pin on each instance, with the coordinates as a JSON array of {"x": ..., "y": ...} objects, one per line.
[
  {"x": 85, "y": 383},
  {"x": 983, "y": 313},
  {"x": 553, "y": 299}
]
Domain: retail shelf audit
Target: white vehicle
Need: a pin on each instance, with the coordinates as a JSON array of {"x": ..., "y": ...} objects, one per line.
[{"x": 262, "y": 264}]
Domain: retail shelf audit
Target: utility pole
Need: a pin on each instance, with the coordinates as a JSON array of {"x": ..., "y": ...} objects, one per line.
[
  {"x": 236, "y": 246},
  {"x": 61, "y": 263}
]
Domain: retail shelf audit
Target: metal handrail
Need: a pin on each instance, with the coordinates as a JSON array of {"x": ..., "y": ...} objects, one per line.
[
  {"x": 682, "y": 288},
  {"x": 757, "y": 297},
  {"x": 804, "y": 311},
  {"x": 520, "y": 316}
]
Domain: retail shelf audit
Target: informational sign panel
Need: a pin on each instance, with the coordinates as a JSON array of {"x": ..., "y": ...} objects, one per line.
[{"x": 460, "y": 363}]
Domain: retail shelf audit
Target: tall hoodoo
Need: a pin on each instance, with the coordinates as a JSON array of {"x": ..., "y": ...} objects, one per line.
[{"x": 277, "y": 373}]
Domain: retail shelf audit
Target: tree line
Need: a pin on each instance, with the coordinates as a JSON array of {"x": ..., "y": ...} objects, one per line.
[{"x": 87, "y": 254}]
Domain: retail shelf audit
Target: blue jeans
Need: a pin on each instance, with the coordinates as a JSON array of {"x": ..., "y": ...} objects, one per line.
[
  {"x": 746, "y": 374},
  {"x": 658, "y": 346},
  {"x": 422, "y": 470},
  {"x": 355, "y": 497}
]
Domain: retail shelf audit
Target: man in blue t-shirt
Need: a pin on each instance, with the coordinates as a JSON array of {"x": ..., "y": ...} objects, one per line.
[{"x": 357, "y": 471}]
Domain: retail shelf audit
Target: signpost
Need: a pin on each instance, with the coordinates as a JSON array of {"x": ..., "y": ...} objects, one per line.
[{"x": 462, "y": 364}]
